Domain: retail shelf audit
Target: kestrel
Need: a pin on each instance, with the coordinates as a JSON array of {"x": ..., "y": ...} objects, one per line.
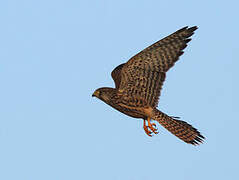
[{"x": 138, "y": 83}]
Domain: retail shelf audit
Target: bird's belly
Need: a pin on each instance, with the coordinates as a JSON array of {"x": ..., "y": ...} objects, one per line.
[
  {"x": 133, "y": 114},
  {"x": 131, "y": 111}
]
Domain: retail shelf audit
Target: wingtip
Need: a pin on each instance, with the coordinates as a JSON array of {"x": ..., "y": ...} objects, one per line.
[
  {"x": 194, "y": 28},
  {"x": 188, "y": 31}
]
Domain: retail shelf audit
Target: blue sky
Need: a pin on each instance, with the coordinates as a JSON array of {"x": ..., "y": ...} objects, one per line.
[{"x": 54, "y": 54}]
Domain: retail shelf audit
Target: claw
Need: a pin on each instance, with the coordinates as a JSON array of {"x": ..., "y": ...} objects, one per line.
[
  {"x": 154, "y": 125},
  {"x": 149, "y": 133},
  {"x": 156, "y": 132}
]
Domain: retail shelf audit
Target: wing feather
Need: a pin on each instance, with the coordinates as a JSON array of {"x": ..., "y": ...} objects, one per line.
[{"x": 143, "y": 75}]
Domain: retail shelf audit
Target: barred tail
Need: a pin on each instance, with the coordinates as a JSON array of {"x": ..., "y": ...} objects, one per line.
[{"x": 179, "y": 128}]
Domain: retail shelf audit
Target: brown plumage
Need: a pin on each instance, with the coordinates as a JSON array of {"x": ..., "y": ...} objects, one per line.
[{"x": 139, "y": 81}]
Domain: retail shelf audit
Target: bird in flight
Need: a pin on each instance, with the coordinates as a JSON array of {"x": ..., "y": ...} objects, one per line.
[{"x": 139, "y": 81}]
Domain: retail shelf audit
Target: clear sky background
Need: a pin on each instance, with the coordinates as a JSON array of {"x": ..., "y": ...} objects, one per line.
[{"x": 54, "y": 54}]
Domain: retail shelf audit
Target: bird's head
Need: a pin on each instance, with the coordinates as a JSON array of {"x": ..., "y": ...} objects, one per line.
[
  {"x": 103, "y": 94},
  {"x": 97, "y": 93}
]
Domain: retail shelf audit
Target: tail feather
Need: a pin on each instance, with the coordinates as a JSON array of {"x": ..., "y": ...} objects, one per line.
[{"x": 181, "y": 129}]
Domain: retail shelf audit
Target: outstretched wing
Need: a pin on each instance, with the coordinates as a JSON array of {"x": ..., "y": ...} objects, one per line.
[
  {"x": 116, "y": 75},
  {"x": 143, "y": 75}
]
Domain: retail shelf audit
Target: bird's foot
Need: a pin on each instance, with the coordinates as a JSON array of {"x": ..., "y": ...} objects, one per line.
[{"x": 151, "y": 128}]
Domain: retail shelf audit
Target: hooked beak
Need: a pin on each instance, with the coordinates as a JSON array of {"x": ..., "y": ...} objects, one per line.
[{"x": 95, "y": 94}]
